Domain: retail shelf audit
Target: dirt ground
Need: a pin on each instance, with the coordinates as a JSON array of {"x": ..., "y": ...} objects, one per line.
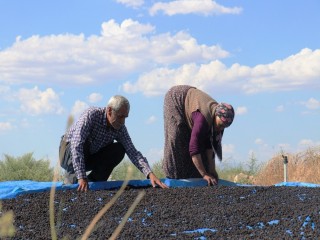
[{"x": 177, "y": 213}]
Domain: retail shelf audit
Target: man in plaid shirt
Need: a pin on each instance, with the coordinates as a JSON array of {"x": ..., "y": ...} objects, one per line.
[{"x": 89, "y": 145}]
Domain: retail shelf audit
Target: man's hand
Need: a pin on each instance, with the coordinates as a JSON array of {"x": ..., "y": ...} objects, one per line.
[
  {"x": 210, "y": 179},
  {"x": 156, "y": 181},
  {"x": 83, "y": 185}
]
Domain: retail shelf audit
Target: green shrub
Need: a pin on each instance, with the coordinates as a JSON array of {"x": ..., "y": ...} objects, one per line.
[
  {"x": 25, "y": 167},
  {"x": 228, "y": 173}
]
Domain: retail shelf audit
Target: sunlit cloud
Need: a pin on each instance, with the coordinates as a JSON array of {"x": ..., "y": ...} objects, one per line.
[
  {"x": 284, "y": 147},
  {"x": 312, "y": 104},
  {"x": 241, "y": 110},
  {"x": 151, "y": 119},
  {"x": 34, "y": 101},
  {"x": 259, "y": 141},
  {"x": 296, "y": 72},
  {"x": 308, "y": 143},
  {"x": 280, "y": 108},
  {"x": 5, "y": 127},
  {"x": 122, "y": 49},
  {"x": 95, "y": 97},
  {"x": 158, "y": 60},
  {"x": 201, "y": 7},
  {"x": 78, "y": 108},
  {"x": 131, "y": 3}
]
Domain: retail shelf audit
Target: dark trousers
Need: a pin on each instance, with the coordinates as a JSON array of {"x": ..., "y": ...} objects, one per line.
[{"x": 101, "y": 164}]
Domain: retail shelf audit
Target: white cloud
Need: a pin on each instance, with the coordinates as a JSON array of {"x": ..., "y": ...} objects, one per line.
[
  {"x": 280, "y": 108},
  {"x": 5, "y": 126},
  {"x": 312, "y": 103},
  {"x": 241, "y": 110},
  {"x": 95, "y": 97},
  {"x": 131, "y": 3},
  {"x": 296, "y": 72},
  {"x": 182, "y": 48},
  {"x": 121, "y": 50},
  {"x": 203, "y": 76},
  {"x": 24, "y": 123},
  {"x": 34, "y": 101},
  {"x": 259, "y": 141},
  {"x": 4, "y": 89},
  {"x": 284, "y": 147},
  {"x": 202, "y": 7},
  {"x": 6, "y": 93},
  {"x": 151, "y": 119},
  {"x": 308, "y": 143},
  {"x": 78, "y": 108},
  {"x": 162, "y": 60}
]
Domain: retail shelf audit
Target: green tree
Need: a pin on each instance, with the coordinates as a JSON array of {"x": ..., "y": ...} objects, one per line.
[
  {"x": 253, "y": 165},
  {"x": 25, "y": 167}
]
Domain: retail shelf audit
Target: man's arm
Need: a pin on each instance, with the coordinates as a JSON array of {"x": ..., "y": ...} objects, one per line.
[
  {"x": 138, "y": 159},
  {"x": 134, "y": 155},
  {"x": 79, "y": 134}
]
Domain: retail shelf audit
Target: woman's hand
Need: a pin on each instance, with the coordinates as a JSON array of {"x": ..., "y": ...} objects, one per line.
[
  {"x": 214, "y": 173},
  {"x": 210, "y": 179}
]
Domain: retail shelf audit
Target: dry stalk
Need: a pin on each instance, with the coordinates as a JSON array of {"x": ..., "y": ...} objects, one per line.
[
  {"x": 7, "y": 228},
  {"x": 127, "y": 215},
  {"x": 53, "y": 189},
  {"x": 51, "y": 205},
  {"x": 107, "y": 206}
]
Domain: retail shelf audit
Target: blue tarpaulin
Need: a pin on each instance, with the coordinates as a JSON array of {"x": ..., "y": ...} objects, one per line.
[{"x": 11, "y": 189}]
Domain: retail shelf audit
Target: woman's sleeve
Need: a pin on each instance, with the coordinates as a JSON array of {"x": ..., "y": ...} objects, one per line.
[{"x": 199, "y": 140}]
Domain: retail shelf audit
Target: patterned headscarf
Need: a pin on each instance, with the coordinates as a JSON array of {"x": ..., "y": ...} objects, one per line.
[{"x": 226, "y": 113}]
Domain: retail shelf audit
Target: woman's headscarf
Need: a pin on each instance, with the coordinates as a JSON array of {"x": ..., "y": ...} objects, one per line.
[{"x": 226, "y": 113}]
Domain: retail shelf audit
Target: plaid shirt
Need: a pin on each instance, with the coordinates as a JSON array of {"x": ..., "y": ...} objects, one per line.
[{"x": 92, "y": 127}]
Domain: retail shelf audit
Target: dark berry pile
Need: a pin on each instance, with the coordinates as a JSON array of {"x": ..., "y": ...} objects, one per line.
[{"x": 176, "y": 213}]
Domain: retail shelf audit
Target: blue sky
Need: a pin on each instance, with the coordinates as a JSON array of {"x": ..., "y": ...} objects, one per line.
[{"x": 59, "y": 57}]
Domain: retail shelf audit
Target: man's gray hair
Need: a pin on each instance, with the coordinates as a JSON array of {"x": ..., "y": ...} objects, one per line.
[{"x": 117, "y": 101}]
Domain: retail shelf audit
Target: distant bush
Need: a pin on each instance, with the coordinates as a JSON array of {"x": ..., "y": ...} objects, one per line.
[
  {"x": 228, "y": 173},
  {"x": 119, "y": 173},
  {"x": 25, "y": 167},
  {"x": 157, "y": 169},
  {"x": 241, "y": 173}
]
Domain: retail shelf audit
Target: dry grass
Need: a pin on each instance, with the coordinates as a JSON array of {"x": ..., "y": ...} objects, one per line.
[
  {"x": 301, "y": 167},
  {"x": 6, "y": 223}
]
